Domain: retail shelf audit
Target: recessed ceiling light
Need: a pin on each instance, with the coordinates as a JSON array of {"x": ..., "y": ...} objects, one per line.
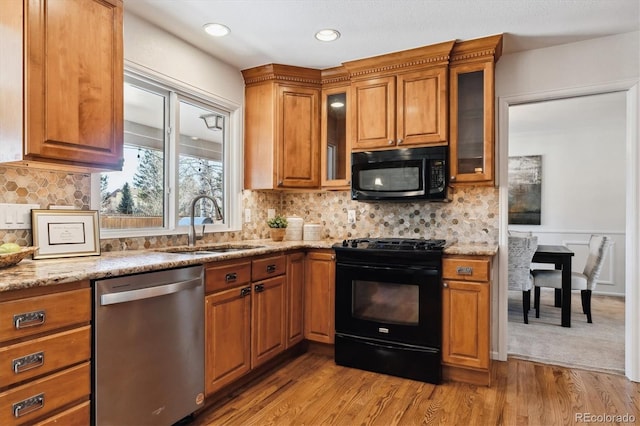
[
  {"x": 327, "y": 35},
  {"x": 216, "y": 30}
]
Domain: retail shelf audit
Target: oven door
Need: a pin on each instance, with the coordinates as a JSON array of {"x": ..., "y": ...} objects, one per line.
[{"x": 396, "y": 303}]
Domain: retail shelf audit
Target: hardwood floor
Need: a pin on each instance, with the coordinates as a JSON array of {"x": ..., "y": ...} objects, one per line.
[{"x": 312, "y": 390}]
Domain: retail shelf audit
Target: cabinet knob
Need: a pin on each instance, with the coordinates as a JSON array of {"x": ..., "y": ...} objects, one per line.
[
  {"x": 400, "y": 141},
  {"x": 452, "y": 178},
  {"x": 391, "y": 142},
  {"x": 445, "y": 285}
]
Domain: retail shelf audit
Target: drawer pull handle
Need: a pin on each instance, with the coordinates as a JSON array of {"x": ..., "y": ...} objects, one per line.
[
  {"x": 230, "y": 277},
  {"x": 28, "y": 319},
  {"x": 271, "y": 268},
  {"x": 464, "y": 270},
  {"x": 28, "y": 362},
  {"x": 28, "y": 405},
  {"x": 245, "y": 291},
  {"x": 259, "y": 288}
]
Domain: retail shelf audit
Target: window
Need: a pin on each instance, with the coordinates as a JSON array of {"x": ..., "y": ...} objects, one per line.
[{"x": 177, "y": 145}]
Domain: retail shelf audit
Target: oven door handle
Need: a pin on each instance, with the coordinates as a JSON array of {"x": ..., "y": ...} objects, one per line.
[
  {"x": 390, "y": 345},
  {"x": 427, "y": 270}
]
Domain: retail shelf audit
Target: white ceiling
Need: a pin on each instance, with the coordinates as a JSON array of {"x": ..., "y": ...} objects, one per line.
[{"x": 282, "y": 31}]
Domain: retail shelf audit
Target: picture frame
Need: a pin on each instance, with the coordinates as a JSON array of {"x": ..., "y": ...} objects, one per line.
[
  {"x": 525, "y": 190},
  {"x": 65, "y": 233}
]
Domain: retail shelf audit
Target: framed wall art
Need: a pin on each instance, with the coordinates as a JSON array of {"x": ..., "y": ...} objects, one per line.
[
  {"x": 65, "y": 233},
  {"x": 525, "y": 190}
]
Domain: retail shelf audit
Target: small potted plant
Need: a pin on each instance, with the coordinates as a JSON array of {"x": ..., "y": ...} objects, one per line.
[{"x": 278, "y": 227}]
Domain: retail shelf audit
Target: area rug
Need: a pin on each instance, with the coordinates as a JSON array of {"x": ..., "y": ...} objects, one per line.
[{"x": 598, "y": 346}]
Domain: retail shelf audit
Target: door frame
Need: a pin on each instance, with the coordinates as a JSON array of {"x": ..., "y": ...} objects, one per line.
[{"x": 632, "y": 228}]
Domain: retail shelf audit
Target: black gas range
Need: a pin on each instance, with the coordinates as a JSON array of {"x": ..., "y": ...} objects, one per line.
[
  {"x": 396, "y": 250},
  {"x": 388, "y": 306}
]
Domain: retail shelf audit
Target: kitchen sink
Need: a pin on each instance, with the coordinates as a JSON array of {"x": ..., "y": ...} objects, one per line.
[{"x": 201, "y": 251}]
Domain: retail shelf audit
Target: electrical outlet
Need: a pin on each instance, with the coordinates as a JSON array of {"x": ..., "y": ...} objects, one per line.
[
  {"x": 247, "y": 215},
  {"x": 271, "y": 213},
  {"x": 351, "y": 216},
  {"x": 16, "y": 216}
]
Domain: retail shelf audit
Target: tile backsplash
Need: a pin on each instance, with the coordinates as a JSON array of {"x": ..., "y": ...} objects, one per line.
[
  {"x": 22, "y": 185},
  {"x": 471, "y": 216}
]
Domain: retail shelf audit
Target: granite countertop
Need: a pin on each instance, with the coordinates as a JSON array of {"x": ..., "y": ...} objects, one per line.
[{"x": 44, "y": 272}]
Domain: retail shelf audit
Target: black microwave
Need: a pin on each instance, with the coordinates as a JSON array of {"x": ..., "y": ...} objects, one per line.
[{"x": 400, "y": 174}]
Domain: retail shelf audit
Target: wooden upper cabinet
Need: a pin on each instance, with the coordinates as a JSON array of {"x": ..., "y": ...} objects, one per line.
[
  {"x": 400, "y": 99},
  {"x": 335, "y": 135},
  {"x": 282, "y": 127},
  {"x": 472, "y": 110},
  {"x": 65, "y": 61}
]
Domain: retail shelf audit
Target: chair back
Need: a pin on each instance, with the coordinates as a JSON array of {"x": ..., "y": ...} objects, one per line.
[
  {"x": 598, "y": 246},
  {"x": 521, "y": 251}
]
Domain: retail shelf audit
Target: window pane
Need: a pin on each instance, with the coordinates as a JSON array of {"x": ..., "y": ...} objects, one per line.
[
  {"x": 201, "y": 170},
  {"x": 134, "y": 197}
]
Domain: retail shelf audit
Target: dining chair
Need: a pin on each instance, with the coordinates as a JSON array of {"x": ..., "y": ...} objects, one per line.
[
  {"x": 584, "y": 281},
  {"x": 521, "y": 251}
]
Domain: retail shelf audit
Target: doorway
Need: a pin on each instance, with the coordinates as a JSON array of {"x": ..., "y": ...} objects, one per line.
[
  {"x": 631, "y": 240},
  {"x": 579, "y": 146}
]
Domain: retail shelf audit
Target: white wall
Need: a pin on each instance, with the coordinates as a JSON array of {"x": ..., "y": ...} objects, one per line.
[
  {"x": 587, "y": 67},
  {"x": 586, "y": 63},
  {"x": 150, "y": 47},
  {"x": 583, "y": 175}
]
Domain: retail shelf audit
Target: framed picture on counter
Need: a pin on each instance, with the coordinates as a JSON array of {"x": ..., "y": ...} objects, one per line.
[{"x": 65, "y": 233}]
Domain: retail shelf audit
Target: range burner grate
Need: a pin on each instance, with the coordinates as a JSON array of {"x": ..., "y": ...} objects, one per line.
[{"x": 394, "y": 244}]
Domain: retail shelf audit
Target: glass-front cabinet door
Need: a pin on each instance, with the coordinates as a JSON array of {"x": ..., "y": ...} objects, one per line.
[
  {"x": 472, "y": 123},
  {"x": 335, "y": 150}
]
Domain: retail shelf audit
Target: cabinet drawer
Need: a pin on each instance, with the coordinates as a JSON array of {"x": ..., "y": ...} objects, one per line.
[
  {"x": 40, "y": 397},
  {"x": 79, "y": 415},
  {"x": 43, "y": 355},
  {"x": 465, "y": 269},
  {"x": 268, "y": 267},
  {"x": 228, "y": 275},
  {"x": 38, "y": 314}
]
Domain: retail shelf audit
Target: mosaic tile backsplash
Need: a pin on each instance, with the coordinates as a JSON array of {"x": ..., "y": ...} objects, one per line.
[{"x": 471, "y": 216}]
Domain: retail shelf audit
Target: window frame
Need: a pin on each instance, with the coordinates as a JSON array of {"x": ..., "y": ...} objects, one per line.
[{"x": 233, "y": 163}]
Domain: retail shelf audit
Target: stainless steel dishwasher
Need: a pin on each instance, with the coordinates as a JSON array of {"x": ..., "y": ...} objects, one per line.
[{"x": 148, "y": 347}]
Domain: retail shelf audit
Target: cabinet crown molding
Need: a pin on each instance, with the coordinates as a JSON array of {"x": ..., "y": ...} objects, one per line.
[
  {"x": 335, "y": 75},
  {"x": 477, "y": 49},
  {"x": 279, "y": 72},
  {"x": 433, "y": 55}
]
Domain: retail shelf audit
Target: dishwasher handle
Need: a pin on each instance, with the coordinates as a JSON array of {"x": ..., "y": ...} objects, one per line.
[{"x": 149, "y": 292}]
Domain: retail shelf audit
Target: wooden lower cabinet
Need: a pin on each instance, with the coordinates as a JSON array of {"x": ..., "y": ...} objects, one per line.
[
  {"x": 295, "y": 298},
  {"x": 74, "y": 416},
  {"x": 466, "y": 319},
  {"x": 245, "y": 324},
  {"x": 268, "y": 319},
  {"x": 45, "y": 355},
  {"x": 228, "y": 336},
  {"x": 319, "y": 313}
]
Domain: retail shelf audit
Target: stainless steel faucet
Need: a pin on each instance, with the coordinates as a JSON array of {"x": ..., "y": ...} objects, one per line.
[{"x": 192, "y": 229}]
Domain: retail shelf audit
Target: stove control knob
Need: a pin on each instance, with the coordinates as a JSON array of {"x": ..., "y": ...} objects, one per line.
[
  {"x": 354, "y": 244},
  {"x": 345, "y": 243}
]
